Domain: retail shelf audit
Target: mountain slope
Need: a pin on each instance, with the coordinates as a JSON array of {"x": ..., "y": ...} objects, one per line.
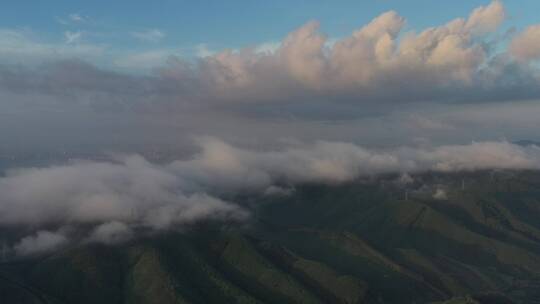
[{"x": 360, "y": 242}]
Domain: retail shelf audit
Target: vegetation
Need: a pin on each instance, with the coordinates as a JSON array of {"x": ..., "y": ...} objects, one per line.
[{"x": 360, "y": 242}]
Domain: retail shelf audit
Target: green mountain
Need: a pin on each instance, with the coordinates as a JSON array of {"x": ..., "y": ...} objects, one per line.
[{"x": 367, "y": 241}]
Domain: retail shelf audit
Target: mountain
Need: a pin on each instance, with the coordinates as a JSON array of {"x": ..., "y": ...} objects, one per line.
[
  {"x": 439, "y": 238},
  {"x": 527, "y": 142}
]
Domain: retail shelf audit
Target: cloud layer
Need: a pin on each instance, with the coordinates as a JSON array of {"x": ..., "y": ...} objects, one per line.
[
  {"x": 118, "y": 197},
  {"x": 462, "y": 60}
]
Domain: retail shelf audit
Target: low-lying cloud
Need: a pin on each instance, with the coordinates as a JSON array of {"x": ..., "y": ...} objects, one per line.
[
  {"x": 130, "y": 193},
  {"x": 40, "y": 242},
  {"x": 130, "y": 190}
]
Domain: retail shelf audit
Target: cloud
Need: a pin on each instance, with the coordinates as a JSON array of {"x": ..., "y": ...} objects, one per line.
[
  {"x": 146, "y": 59},
  {"x": 75, "y": 81},
  {"x": 526, "y": 45},
  {"x": 306, "y": 109},
  {"x": 39, "y": 243},
  {"x": 486, "y": 19},
  {"x": 72, "y": 37},
  {"x": 377, "y": 64},
  {"x": 150, "y": 35},
  {"x": 220, "y": 164},
  {"x": 268, "y": 47},
  {"x": 76, "y": 17},
  {"x": 19, "y": 46},
  {"x": 440, "y": 194},
  {"x": 278, "y": 191},
  {"x": 132, "y": 191},
  {"x": 72, "y": 18},
  {"x": 204, "y": 51},
  {"x": 194, "y": 208},
  {"x": 429, "y": 124},
  {"x": 112, "y": 201},
  {"x": 405, "y": 179},
  {"x": 111, "y": 233}
]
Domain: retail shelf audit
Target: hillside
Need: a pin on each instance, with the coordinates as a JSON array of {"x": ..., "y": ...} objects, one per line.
[{"x": 368, "y": 241}]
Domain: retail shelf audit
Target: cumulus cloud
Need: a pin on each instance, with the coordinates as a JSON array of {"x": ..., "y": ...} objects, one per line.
[
  {"x": 41, "y": 242},
  {"x": 526, "y": 45},
  {"x": 377, "y": 63},
  {"x": 485, "y": 19}
]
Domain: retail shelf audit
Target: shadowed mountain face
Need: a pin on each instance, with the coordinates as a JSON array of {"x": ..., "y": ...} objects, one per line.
[{"x": 441, "y": 238}]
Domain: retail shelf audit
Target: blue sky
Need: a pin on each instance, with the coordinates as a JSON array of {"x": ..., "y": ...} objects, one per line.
[{"x": 225, "y": 24}]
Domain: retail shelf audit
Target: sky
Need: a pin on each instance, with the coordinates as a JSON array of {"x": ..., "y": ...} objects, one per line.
[
  {"x": 249, "y": 96},
  {"x": 130, "y": 75},
  {"x": 197, "y": 28}
]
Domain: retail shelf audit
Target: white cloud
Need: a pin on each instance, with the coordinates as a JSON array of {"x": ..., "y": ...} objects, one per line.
[
  {"x": 113, "y": 198},
  {"x": 302, "y": 53},
  {"x": 132, "y": 190},
  {"x": 39, "y": 243},
  {"x": 375, "y": 62},
  {"x": 526, "y": 45},
  {"x": 268, "y": 47},
  {"x": 486, "y": 19},
  {"x": 224, "y": 166},
  {"x": 378, "y": 62},
  {"x": 111, "y": 233},
  {"x": 72, "y": 37}
]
